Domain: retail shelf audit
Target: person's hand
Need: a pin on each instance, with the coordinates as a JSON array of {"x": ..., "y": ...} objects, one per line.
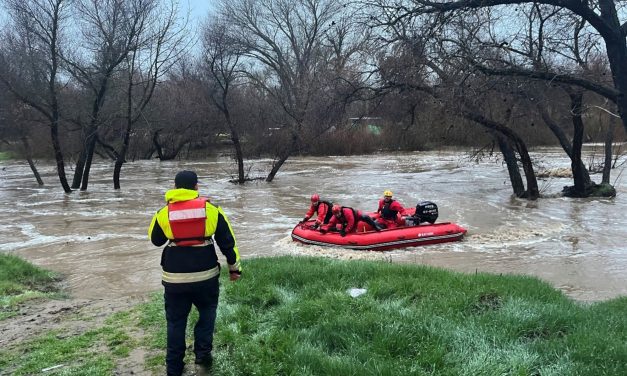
[
  {"x": 304, "y": 220},
  {"x": 234, "y": 275},
  {"x": 342, "y": 233},
  {"x": 315, "y": 226},
  {"x": 323, "y": 230}
]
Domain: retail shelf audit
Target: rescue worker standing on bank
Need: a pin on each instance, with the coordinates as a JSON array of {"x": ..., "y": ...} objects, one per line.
[
  {"x": 188, "y": 224},
  {"x": 390, "y": 211}
]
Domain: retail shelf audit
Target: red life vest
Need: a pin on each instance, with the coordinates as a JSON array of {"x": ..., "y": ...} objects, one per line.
[{"x": 187, "y": 221}]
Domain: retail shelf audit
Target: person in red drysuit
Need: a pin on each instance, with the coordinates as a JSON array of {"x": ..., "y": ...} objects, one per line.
[
  {"x": 348, "y": 218},
  {"x": 320, "y": 207},
  {"x": 390, "y": 211}
]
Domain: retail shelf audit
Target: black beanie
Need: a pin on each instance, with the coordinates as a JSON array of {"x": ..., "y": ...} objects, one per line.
[{"x": 186, "y": 180}]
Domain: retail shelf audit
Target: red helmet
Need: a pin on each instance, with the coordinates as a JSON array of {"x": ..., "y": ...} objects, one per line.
[
  {"x": 315, "y": 197},
  {"x": 336, "y": 209}
]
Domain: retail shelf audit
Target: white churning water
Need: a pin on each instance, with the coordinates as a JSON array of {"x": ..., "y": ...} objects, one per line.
[{"x": 98, "y": 240}]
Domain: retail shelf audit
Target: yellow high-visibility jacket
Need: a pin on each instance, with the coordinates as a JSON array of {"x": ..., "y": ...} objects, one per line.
[{"x": 185, "y": 265}]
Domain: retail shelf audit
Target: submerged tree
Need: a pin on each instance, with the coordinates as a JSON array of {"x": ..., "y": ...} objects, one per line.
[
  {"x": 283, "y": 40},
  {"x": 156, "y": 48},
  {"x": 221, "y": 60},
  {"x": 16, "y": 125},
  {"x": 111, "y": 30},
  {"x": 510, "y": 48},
  {"x": 32, "y": 55},
  {"x": 603, "y": 16}
]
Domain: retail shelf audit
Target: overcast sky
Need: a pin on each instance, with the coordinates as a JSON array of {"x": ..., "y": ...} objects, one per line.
[{"x": 198, "y": 8}]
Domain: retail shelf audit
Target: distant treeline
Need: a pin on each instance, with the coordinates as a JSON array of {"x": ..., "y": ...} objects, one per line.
[{"x": 128, "y": 79}]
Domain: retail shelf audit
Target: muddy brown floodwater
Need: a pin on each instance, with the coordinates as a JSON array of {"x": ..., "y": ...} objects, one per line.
[{"x": 98, "y": 239}]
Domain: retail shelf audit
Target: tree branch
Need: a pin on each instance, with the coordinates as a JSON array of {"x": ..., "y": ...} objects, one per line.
[
  {"x": 576, "y": 6},
  {"x": 605, "y": 91},
  {"x": 25, "y": 99}
]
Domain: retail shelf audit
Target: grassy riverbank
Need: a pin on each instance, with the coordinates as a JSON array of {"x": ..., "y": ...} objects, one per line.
[
  {"x": 21, "y": 281},
  {"x": 295, "y": 316}
]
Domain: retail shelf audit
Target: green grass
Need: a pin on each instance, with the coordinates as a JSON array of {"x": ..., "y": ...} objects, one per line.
[
  {"x": 293, "y": 316},
  {"x": 93, "y": 352},
  {"x": 21, "y": 281}
]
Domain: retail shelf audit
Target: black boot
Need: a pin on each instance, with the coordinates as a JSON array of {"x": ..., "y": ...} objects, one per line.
[{"x": 372, "y": 223}]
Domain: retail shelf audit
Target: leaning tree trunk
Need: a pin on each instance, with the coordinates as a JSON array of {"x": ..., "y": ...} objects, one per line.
[
  {"x": 277, "y": 165},
  {"x": 157, "y": 144},
  {"x": 563, "y": 140},
  {"x": 90, "y": 156},
  {"x": 576, "y": 100},
  {"x": 239, "y": 156},
  {"x": 533, "y": 192},
  {"x": 58, "y": 156},
  {"x": 29, "y": 158},
  {"x": 609, "y": 139},
  {"x": 121, "y": 157},
  {"x": 616, "y": 49},
  {"x": 512, "y": 164},
  {"x": 283, "y": 157},
  {"x": 78, "y": 170}
]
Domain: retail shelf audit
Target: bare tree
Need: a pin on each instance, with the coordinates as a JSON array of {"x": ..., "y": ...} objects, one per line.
[
  {"x": 424, "y": 55},
  {"x": 221, "y": 60},
  {"x": 17, "y": 136},
  {"x": 553, "y": 38},
  {"x": 283, "y": 39},
  {"x": 520, "y": 45},
  {"x": 602, "y": 16},
  {"x": 181, "y": 114},
  {"x": 155, "y": 49},
  {"x": 32, "y": 53},
  {"x": 110, "y": 32}
]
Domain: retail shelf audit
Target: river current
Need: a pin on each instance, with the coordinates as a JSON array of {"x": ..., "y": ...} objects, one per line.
[{"x": 98, "y": 239}]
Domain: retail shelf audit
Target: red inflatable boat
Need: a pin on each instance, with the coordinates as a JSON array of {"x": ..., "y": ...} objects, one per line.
[{"x": 365, "y": 238}]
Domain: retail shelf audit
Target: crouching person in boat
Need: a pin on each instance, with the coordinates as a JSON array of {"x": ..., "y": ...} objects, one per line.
[
  {"x": 320, "y": 207},
  {"x": 348, "y": 218},
  {"x": 390, "y": 212}
]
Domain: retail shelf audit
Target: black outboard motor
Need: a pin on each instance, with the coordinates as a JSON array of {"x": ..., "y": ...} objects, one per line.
[{"x": 426, "y": 211}]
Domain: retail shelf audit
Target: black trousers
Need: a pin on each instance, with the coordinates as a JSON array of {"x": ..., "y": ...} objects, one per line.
[{"x": 177, "y": 307}]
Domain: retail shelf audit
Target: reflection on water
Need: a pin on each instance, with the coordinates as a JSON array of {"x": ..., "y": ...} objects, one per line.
[{"x": 98, "y": 238}]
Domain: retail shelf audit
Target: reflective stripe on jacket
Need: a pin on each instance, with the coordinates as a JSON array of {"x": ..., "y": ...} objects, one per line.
[
  {"x": 189, "y": 265},
  {"x": 190, "y": 277}
]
